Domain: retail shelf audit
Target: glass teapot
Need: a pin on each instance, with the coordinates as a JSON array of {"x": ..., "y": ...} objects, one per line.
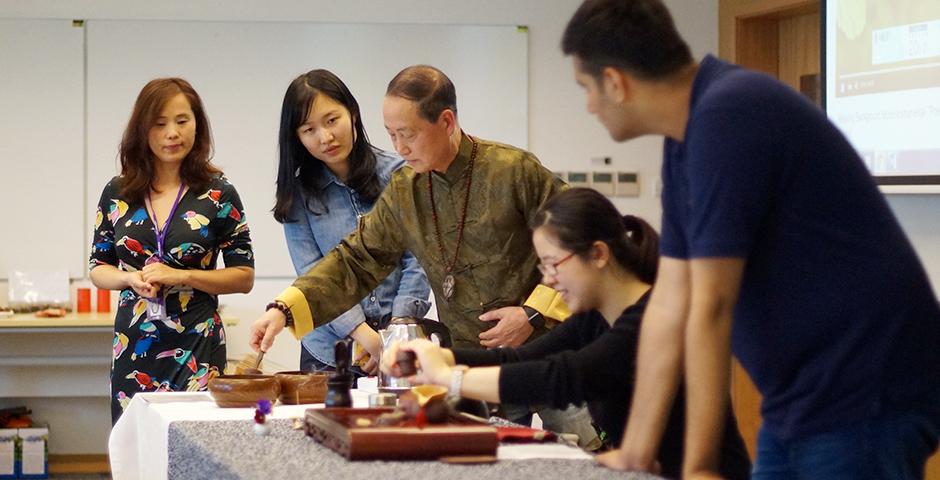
[{"x": 409, "y": 328}]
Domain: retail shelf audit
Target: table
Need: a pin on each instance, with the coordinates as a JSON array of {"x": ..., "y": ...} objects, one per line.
[
  {"x": 58, "y": 366},
  {"x": 21, "y": 322},
  {"x": 184, "y": 435}
]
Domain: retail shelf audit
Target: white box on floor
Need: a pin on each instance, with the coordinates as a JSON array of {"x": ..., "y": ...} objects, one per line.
[
  {"x": 7, "y": 453},
  {"x": 34, "y": 453}
]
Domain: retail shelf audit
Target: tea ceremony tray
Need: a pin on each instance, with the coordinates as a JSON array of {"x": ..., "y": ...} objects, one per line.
[{"x": 336, "y": 428}]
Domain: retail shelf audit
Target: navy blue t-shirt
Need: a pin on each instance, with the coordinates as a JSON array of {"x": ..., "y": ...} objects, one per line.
[{"x": 836, "y": 320}]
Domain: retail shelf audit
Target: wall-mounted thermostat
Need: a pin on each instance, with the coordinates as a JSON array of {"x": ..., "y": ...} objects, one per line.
[
  {"x": 603, "y": 182},
  {"x": 579, "y": 179},
  {"x": 628, "y": 184}
]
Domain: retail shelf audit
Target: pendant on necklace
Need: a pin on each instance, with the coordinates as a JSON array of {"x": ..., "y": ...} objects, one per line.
[{"x": 448, "y": 286}]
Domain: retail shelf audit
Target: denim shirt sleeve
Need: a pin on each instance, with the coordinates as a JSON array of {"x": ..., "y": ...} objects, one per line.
[
  {"x": 302, "y": 246},
  {"x": 344, "y": 324},
  {"x": 305, "y": 253},
  {"x": 413, "y": 290}
]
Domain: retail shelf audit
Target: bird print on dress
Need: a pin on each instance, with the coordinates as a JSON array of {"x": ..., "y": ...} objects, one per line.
[
  {"x": 206, "y": 261},
  {"x": 140, "y": 308},
  {"x": 133, "y": 246},
  {"x": 138, "y": 218},
  {"x": 148, "y": 335},
  {"x": 173, "y": 323},
  {"x": 184, "y": 294},
  {"x": 213, "y": 195},
  {"x": 200, "y": 379},
  {"x": 117, "y": 210},
  {"x": 144, "y": 380},
  {"x": 122, "y": 399},
  {"x": 187, "y": 252},
  {"x": 229, "y": 211},
  {"x": 197, "y": 222},
  {"x": 182, "y": 357},
  {"x": 207, "y": 327},
  {"x": 119, "y": 345}
]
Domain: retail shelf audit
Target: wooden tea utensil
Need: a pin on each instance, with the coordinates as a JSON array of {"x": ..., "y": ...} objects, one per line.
[{"x": 256, "y": 370}]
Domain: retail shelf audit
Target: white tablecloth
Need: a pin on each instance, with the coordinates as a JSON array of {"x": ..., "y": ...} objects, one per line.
[{"x": 138, "y": 443}]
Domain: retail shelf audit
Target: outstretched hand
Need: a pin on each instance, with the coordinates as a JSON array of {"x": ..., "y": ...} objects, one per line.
[
  {"x": 370, "y": 344},
  {"x": 262, "y": 332}
]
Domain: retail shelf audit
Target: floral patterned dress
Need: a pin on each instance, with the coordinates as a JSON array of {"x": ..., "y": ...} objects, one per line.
[{"x": 187, "y": 348}]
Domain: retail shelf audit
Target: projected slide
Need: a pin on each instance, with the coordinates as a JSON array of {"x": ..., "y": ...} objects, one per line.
[{"x": 883, "y": 81}]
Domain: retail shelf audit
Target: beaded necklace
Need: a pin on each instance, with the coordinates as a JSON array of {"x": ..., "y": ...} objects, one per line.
[{"x": 449, "y": 284}]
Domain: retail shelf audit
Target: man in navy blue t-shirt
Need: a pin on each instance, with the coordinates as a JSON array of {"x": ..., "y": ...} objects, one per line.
[{"x": 776, "y": 245}]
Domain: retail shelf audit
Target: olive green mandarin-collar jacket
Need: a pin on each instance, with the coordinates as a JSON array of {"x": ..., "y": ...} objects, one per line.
[{"x": 496, "y": 264}]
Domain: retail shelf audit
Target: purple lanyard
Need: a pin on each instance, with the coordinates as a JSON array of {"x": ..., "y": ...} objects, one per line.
[{"x": 161, "y": 233}]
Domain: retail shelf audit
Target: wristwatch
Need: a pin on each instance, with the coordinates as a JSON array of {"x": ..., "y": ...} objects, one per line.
[
  {"x": 535, "y": 317},
  {"x": 289, "y": 322},
  {"x": 456, "y": 381}
]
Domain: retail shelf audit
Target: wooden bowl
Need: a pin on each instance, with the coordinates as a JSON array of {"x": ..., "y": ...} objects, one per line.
[
  {"x": 243, "y": 390},
  {"x": 299, "y": 387}
]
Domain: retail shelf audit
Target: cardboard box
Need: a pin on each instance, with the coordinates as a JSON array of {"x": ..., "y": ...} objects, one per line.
[
  {"x": 8, "y": 449},
  {"x": 33, "y": 456}
]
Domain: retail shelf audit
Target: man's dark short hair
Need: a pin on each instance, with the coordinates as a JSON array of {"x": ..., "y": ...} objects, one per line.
[
  {"x": 637, "y": 36},
  {"x": 426, "y": 86}
]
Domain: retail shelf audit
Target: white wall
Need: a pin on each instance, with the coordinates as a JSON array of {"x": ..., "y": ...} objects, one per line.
[
  {"x": 561, "y": 133},
  {"x": 920, "y": 217}
]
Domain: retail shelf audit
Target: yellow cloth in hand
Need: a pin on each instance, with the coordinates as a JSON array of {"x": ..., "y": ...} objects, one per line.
[{"x": 549, "y": 303}]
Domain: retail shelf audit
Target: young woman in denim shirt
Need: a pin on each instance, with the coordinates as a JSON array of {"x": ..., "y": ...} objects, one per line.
[{"x": 328, "y": 176}]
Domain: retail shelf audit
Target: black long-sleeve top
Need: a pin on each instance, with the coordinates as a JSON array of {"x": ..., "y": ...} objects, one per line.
[{"x": 585, "y": 360}]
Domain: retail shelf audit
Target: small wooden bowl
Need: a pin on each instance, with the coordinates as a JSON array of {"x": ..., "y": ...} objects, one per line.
[
  {"x": 298, "y": 387},
  {"x": 241, "y": 391}
]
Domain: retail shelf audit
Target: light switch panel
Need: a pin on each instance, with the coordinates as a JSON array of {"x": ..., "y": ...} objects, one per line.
[
  {"x": 628, "y": 184},
  {"x": 603, "y": 182},
  {"x": 579, "y": 179}
]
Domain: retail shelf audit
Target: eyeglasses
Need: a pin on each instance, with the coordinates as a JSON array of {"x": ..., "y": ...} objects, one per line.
[{"x": 552, "y": 268}]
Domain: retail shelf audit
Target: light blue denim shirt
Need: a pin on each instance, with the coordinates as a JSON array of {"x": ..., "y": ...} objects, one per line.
[{"x": 404, "y": 293}]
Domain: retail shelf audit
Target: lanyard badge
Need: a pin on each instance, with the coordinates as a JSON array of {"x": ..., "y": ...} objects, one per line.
[{"x": 156, "y": 307}]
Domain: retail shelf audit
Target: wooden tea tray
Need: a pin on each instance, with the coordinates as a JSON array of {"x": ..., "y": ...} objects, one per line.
[{"x": 336, "y": 429}]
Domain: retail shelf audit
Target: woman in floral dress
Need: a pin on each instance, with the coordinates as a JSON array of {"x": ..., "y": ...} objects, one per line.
[{"x": 160, "y": 229}]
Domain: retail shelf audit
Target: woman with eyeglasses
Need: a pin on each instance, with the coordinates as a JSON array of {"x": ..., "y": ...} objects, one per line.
[{"x": 603, "y": 265}]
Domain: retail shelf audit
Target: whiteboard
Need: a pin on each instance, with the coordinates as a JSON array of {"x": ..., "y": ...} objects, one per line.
[
  {"x": 241, "y": 70},
  {"x": 41, "y": 146}
]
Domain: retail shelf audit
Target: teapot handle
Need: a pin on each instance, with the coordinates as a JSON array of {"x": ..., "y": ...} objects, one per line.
[{"x": 431, "y": 327}]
